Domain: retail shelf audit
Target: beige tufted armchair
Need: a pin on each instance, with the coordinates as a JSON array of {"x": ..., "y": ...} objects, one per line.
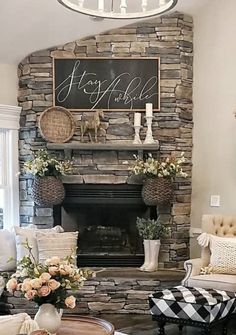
[{"x": 224, "y": 226}]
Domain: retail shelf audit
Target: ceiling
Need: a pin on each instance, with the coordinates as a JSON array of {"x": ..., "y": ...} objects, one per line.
[{"x": 31, "y": 25}]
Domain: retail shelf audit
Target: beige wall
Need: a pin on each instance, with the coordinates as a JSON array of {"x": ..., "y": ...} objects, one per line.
[
  {"x": 214, "y": 154},
  {"x": 8, "y": 84}
]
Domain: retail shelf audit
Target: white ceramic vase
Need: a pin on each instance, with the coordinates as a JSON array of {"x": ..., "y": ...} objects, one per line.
[{"x": 48, "y": 317}]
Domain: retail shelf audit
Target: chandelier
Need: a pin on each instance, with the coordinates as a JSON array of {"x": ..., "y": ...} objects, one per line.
[{"x": 119, "y": 9}]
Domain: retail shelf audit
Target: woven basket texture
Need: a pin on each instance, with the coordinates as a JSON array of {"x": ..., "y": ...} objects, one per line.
[
  {"x": 157, "y": 191},
  {"x": 48, "y": 190},
  {"x": 57, "y": 124}
]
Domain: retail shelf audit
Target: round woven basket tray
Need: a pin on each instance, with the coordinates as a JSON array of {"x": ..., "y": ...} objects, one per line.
[{"x": 57, "y": 124}]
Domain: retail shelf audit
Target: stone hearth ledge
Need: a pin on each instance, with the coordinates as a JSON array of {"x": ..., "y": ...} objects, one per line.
[{"x": 113, "y": 290}]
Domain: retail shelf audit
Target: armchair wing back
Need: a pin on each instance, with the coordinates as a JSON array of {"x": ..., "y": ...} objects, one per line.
[
  {"x": 219, "y": 225},
  {"x": 224, "y": 226}
]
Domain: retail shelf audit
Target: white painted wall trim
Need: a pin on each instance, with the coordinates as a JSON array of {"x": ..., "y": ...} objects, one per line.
[
  {"x": 9, "y": 120},
  {"x": 10, "y": 117}
]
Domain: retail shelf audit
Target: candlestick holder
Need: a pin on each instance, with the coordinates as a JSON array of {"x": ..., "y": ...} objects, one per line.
[
  {"x": 149, "y": 138},
  {"x": 136, "y": 136}
]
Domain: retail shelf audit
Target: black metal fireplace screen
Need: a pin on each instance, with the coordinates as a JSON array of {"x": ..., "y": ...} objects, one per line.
[{"x": 105, "y": 216}]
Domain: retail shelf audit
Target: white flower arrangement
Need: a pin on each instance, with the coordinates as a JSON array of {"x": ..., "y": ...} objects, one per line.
[
  {"x": 168, "y": 167},
  {"x": 44, "y": 164}
]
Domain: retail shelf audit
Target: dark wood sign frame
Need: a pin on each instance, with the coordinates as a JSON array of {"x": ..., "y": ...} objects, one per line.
[{"x": 110, "y": 84}]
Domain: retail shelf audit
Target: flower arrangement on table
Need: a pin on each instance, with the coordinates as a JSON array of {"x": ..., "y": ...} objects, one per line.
[
  {"x": 48, "y": 188},
  {"x": 168, "y": 167},
  {"x": 158, "y": 176},
  {"x": 51, "y": 282},
  {"x": 45, "y": 164}
]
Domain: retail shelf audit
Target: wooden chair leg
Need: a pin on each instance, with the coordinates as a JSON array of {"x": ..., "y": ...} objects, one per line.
[
  {"x": 181, "y": 328},
  {"x": 161, "y": 325},
  {"x": 206, "y": 331},
  {"x": 96, "y": 135},
  {"x": 90, "y": 137},
  {"x": 225, "y": 328}
]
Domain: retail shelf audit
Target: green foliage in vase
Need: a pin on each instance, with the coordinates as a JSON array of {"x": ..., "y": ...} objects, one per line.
[{"x": 150, "y": 229}]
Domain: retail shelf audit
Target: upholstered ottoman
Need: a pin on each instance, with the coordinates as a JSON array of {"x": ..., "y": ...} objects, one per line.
[{"x": 192, "y": 306}]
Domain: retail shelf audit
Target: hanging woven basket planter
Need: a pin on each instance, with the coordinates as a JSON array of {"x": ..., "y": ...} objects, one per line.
[
  {"x": 48, "y": 190},
  {"x": 157, "y": 191}
]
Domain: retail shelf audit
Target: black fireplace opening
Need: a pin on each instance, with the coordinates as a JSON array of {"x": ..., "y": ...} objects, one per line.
[{"x": 105, "y": 216}]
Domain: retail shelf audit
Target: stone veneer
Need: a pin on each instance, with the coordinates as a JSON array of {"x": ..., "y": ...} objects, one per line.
[
  {"x": 168, "y": 37},
  {"x": 105, "y": 294}
]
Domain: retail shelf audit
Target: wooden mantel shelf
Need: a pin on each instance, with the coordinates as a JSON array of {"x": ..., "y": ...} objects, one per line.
[{"x": 102, "y": 146}]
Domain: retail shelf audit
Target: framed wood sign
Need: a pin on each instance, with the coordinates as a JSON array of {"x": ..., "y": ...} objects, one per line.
[{"x": 114, "y": 84}]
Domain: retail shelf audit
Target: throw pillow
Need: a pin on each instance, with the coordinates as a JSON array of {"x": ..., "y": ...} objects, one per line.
[
  {"x": 29, "y": 233},
  {"x": 16, "y": 324},
  {"x": 2, "y": 286},
  {"x": 223, "y": 254},
  {"x": 8, "y": 250},
  {"x": 60, "y": 245}
]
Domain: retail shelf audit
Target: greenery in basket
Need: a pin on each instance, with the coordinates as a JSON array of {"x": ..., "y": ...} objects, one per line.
[
  {"x": 50, "y": 282},
  {"x": 150, "y": 229},
  {"x": 45, "y": 164},
  {"x": 168, "y": 167}
]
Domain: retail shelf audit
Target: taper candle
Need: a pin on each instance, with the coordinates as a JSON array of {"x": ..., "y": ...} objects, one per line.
[
  {"x": 137, "y": 119},
  {"x": 149, "y": 110}
]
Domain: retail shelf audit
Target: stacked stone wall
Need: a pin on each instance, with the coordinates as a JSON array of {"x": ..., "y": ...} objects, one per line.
[
  {"x": 168, "y": 37},
  {"x": 120, "y": 295}
]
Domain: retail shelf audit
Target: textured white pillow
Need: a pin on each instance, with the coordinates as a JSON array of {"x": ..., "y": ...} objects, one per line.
[
  {"x": 2, "y": 286},
  {"x": 7, "y": 251},
  {"x": 223, "y": 254},
  {"x": 29, "y": 233},
  {"x": 60, "y": 245},
  {"x": 16, "y": 324}
]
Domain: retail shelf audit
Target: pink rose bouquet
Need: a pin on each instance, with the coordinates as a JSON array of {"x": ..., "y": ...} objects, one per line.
[{"x": 51, "y": 282}]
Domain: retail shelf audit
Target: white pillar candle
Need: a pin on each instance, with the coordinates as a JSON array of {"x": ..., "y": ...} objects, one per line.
[
  {"x": 144, "y": 5},
  {"x": 101, "y": 5},
  {"x": 137, "y": 119},
  {"x": 149, "y": 110},
  {"x": 123, "y": 6}
]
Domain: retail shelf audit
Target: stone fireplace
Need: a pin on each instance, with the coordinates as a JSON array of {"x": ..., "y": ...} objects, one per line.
[{"x": 103, "y": 168}]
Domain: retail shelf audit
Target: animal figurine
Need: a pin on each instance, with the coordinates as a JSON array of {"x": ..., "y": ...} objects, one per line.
[{"x": 91, "y": 124}]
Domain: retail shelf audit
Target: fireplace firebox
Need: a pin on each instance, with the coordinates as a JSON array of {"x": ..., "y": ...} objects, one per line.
[{"x": 105, "y": 216}]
